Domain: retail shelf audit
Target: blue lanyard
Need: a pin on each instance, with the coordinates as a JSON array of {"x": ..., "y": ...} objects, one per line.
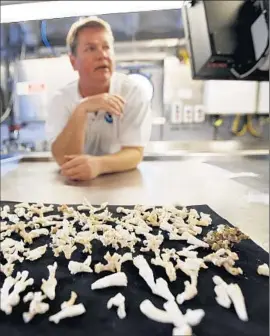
[{"x": 108, "y": 117}]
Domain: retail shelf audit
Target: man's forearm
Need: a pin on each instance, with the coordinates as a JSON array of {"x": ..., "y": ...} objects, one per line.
[
  {"x": 71, "y": 140},
  {"x": 125, "y": 159}
]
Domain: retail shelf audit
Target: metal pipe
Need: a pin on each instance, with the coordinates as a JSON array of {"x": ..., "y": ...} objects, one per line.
[
  {"x": 6, "y": 68},
  {"x": 12, "y": 141}
]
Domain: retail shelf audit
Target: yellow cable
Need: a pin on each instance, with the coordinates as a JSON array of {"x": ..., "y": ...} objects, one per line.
[
  {"x": 183, "y": 53},
  {"x": 218, "y": 122},
  {"x": 243, "y": 131},
  {"x": 251, "y": 128},
  {"x": 235, "y": 126}
]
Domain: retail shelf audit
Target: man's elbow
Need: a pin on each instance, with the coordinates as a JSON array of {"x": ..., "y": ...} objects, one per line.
[
  {"x": 58, "y": 157},
  {"x": 137, "y": 155},
  {"x": 140, "y": 156}
]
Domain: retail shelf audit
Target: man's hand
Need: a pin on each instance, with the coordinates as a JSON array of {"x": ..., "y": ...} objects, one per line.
[
  {"x": 81, "y": 167},
  {"x": 113, "y": 104},
  {"x": 87, "y": 167}
]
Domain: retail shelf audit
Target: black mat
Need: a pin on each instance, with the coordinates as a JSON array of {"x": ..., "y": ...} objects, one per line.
[{"x": 100, "y": 321}]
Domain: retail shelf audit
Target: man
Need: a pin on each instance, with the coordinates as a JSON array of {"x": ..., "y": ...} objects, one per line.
[{"x": 100, "y": 123}]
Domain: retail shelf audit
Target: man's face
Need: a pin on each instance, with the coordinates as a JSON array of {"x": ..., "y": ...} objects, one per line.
[{"x": 94, "y": 55}]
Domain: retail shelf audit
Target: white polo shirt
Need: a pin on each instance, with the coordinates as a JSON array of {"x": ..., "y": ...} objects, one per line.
[{"x": 105, "y": 135}]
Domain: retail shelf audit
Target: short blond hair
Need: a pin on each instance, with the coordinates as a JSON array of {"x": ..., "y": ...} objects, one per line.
[{"x": 90, "y": 22}]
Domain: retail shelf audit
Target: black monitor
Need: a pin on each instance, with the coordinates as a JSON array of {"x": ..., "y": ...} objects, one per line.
[{"x": 228, "y": 40}]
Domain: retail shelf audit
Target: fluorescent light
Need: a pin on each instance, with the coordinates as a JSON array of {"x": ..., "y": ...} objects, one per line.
[{"x": 61, "y": 9}]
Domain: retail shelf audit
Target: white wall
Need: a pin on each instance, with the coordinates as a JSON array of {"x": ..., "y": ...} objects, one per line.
[{"x": 230, "y": 97}]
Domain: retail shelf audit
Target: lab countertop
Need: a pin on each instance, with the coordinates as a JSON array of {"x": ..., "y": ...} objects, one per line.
[
  {"x": 186, "y": 149},
  {"x": 188, "y": 182}
]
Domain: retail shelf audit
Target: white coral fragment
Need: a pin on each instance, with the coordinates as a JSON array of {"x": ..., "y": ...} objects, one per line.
[
  {"x": 5, "y": 211},
  {"x": 35, "y": 253},
  {"x": 184, "y": 330},
  {"x": 176, "y": 315},
  {"x": 119, "y": 301},
  {"x": 263, "y": 270},
  {"x": 116, "y": 279},
  {"x": 160, "y": 287},
  {"x": 48, "y": 286},
  {"x": 193, "y": 240},
  {"x": 9, "y": 300},
  {"x": 205, "y": 219},
  {"x": 145, "y": 270},
  {"x": 227, "y": 293},
  {"x": 4, "y": 299},
  {"x": 189, "y": 293},
  {"x": 36, "y": 305},
  {"x": 226, "y": 258},
  {"x": 183, "y": 323},
  {"x": 222, "y": 296},
  {"x": 194, "y": 317},
  {"x": 70, "y": 302},
  {"x": 153, "y": 313},
  {"x": 70, "y": 311},
  {"x": 7, "y": 269},
  {"x": 238, "y": 301},
  {"x": 114, "y": 262},
  {"x": 152, "y": 243},
  {"x": 167, "y": 265},
  {"x": 174, "y": 236},
  {"x": 80, "y": 267}
]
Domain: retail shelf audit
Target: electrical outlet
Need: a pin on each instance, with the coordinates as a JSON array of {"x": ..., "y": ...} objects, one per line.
[
  {"x": 177, "y": 113},
  {"x": 188, "y": 114},
  {"x": 199, "y": 114}
]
